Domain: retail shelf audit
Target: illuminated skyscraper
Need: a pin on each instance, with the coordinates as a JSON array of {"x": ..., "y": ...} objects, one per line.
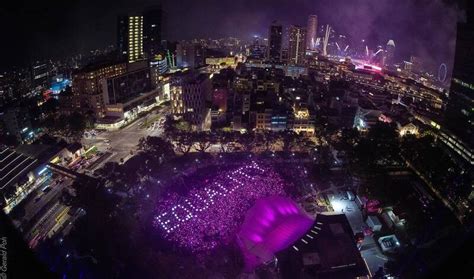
[
  {"x": 296, "y": 45},
  {"x": 312, "y": 32},
  {"x": 390, "y": 53},
  {"x": 130, "y": 37},
  {"x": 135, "y": 38},
  {"x": 275, "y": 38}
]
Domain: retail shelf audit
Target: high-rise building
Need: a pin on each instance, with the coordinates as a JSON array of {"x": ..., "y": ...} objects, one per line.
[
  {"x": 275, "y": 38},
  {"x": 459, "y": 116},
  {"x": 158, "y": 67},
  {"x": 122, "y": 35},
  {"x": 86, "y": 86},
  {"x": 16, "y": 122},
  {"x": 297, "y": 45},
  {"x": 127, "y": 86},
  {"x": 40, "y": 74},
  {"x": 130, "y": 37},
  {"x": 416, "y": 64},
  {"x": 188, "y": 98},
  {"x": 390, "y": 53},
  {"x": 189, "y": 55},
  {"x": 152, "y": 31},
  {"x": 258, "y": 49},
  {"x": 312, "y": 32}
]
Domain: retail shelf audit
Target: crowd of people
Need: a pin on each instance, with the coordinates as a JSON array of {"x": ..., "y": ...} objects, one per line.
[{"x": 213, "y": 210}]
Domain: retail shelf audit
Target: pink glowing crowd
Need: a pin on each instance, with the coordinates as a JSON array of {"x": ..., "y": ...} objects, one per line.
[{"x": 210, "y": 215}]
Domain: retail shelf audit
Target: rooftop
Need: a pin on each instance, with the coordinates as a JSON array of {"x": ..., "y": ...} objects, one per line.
[
  {"x": 94, "y": 66},
  {"x": 327, "y": 250},
  {"x": 13, "y": 167}
]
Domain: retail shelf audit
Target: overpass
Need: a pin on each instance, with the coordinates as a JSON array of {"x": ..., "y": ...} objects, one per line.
[{"x": 64, "y": 171}]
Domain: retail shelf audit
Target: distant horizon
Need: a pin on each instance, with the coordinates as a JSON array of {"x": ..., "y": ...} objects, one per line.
[{"x": 58, "y": 29}]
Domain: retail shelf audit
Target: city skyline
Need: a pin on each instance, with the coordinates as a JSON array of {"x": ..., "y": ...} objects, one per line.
[
  {"x": 304, "y": 139},
  {"x": 68, "y": 26}
]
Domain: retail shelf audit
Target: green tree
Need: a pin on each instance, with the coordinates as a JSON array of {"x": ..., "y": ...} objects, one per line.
[
  {"x": 183, "y": 142},
  {"x": 156, "y": 147},
  {"x": 204, "y": 141}
]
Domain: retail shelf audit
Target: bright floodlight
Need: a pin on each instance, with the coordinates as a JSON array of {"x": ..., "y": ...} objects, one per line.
[{"x": 337, "y": 205}]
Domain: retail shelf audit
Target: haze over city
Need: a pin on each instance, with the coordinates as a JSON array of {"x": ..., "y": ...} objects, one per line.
[
  {"x": 237, "y": 139},
  {"x": 68, "y": 25}
]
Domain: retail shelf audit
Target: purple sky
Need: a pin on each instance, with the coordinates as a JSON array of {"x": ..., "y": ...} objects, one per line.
[{"x": 46, "y": 28}]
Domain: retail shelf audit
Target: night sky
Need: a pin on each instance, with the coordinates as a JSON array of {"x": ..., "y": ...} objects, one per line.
[{"x": 57, "y": 28}]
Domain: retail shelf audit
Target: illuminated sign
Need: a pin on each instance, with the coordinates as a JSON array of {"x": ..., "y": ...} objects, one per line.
[
  {"x": 436, "y": 125},
  {"x": 114, "y": 109},
  {"x": 211, "y": 214},
  {"x": 42, "y": 171},
  {"x": 202, "y": 200}
]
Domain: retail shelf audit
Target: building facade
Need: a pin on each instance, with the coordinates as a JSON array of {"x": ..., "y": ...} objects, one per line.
[
  {"x": 40, "y": 74},
  {"x": 188, "y": 98},
  {"x": 296, "y": 45},
  {"x": 86, "y": 86},
  {"x": 189, "y": 55},
  {"x": 124, "y": 87},
  {"x": 16, "y": 122},
  {"x": 130, "y": 37},
  {"x": 459, "y": 115},
  {"x": 152, "y": 31},
  {"x": 312, "y": 35},
  {"x": 390, "y": 53},
  {"x": 158, "y": 67},
  {"x": 275, "y": 39}
]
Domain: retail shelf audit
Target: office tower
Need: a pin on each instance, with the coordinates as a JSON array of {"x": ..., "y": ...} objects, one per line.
[
  {"x": 459, "y": 115},
  {"x": 275, "y": 38},
  {"x": 312, "y": 32},
  {"x": 390, "y": 53},
  {"x": 130, "y": 37},
  {"x": 158, "y": 67},
  {"x": 152, "y": 31},
  {"x": 40, "y": 74},
  {"x": 126, "y": 87},
  {"x": 135, "y": 39},
  {"x": 16, "y": 122},
  {"x": 417, "y": 64},
  {"x": 296, "y": 45},
  {"x": 86, "y": 86},
  {"x": 122, "y": 35},
  {"x": 188, "y": 97},
  {"x": 189, "y": 55}
]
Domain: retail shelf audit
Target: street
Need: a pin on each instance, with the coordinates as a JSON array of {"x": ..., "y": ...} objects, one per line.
[
  {"x": 33, "y": 206},
  {"x": 122, "y": 144}
]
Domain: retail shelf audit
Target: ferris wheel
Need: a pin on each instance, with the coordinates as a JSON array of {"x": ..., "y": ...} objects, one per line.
[{"x": 442, "y": 72}]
